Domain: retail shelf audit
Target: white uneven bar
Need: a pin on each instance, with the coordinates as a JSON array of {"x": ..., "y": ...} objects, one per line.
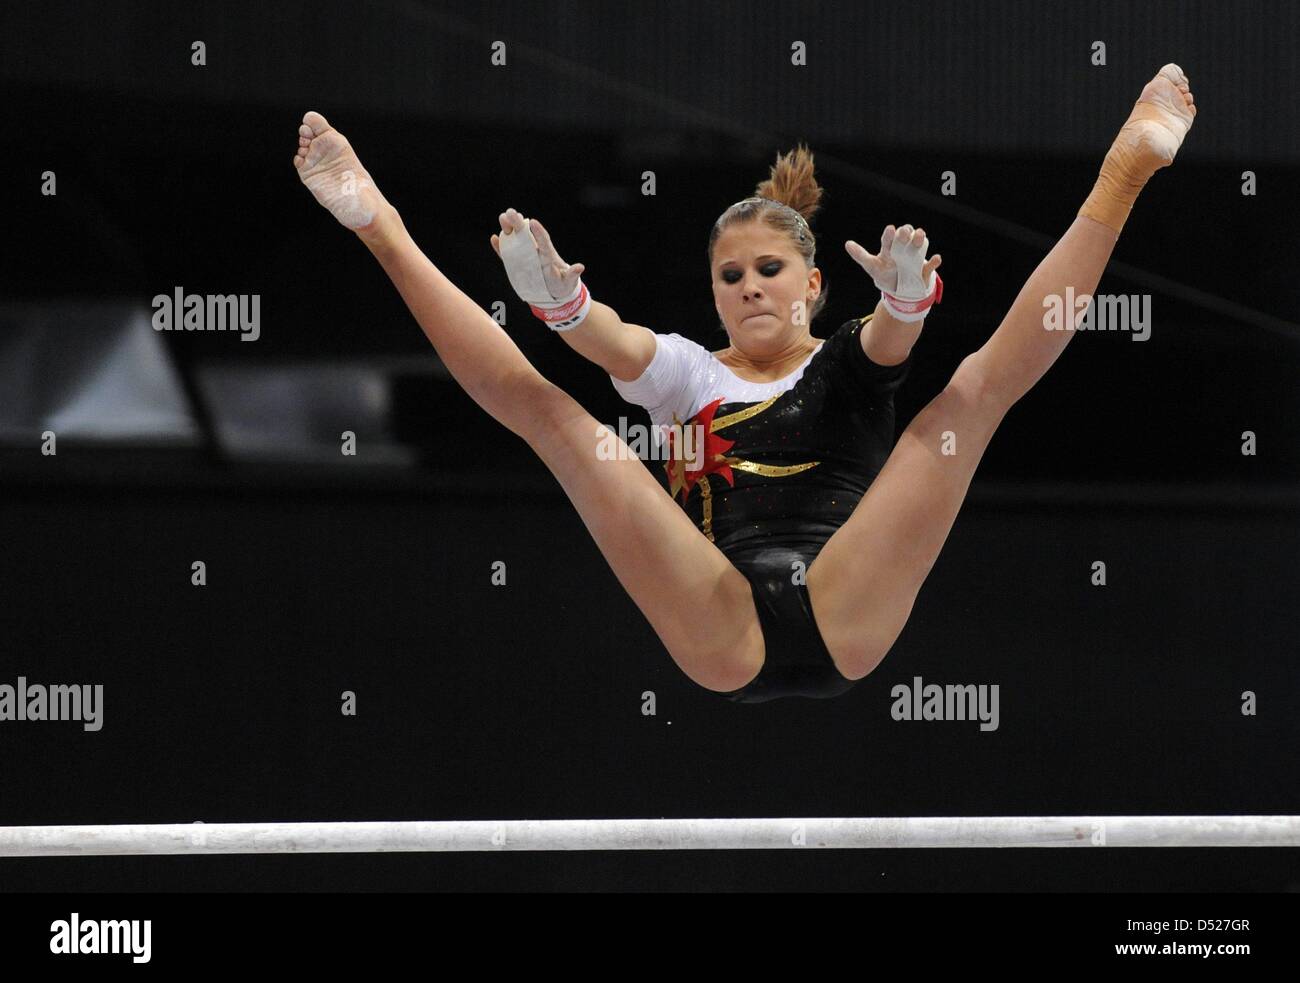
[{"x": 651, "y": 834}]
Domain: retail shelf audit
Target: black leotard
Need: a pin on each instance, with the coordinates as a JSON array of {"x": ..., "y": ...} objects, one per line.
[{"x": 803, "y": 451}]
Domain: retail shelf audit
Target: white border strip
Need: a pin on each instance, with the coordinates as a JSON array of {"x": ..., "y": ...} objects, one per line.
[{"x": 651, "y": 834}]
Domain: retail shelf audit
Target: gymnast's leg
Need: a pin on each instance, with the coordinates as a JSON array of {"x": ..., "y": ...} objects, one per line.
[
  {"x": 865, "y": 581},
  {"x": 671, "y": 572}
]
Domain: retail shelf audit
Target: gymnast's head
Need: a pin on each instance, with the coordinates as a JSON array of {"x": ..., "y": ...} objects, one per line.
[{"x": 766, "y": 288}]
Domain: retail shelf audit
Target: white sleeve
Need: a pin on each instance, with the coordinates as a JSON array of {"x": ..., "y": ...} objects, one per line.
[{"x": 666, "y": 381}]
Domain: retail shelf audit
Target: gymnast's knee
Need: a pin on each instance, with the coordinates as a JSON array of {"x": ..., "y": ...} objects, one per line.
[
  {"x": 725, "y": 664},
  {"x": 977, "y": 385},
  {"x": 857, "y": 652},
  {"x": 859, "y": 661},
  {"x": 542, "y": 412}
]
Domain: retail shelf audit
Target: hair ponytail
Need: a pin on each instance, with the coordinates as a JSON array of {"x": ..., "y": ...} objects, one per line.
[
  {"x": 785, "y": 202},
  {"x": 791, "y": 181}
]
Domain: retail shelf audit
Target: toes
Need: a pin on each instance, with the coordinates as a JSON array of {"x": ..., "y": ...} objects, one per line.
[
  {"x": 1173, "y": 73},
  {"x": 314, "y": 123}
]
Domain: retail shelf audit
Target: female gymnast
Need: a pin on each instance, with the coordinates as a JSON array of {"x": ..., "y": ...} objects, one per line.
[{"x": 802, "y": 540}]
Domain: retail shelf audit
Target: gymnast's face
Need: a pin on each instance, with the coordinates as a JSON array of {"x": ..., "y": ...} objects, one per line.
[{"x": 762, "y": 289}]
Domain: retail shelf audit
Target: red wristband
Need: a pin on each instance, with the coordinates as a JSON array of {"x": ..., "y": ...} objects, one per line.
[
  {"x": 568, "y": 315},
  {"x": 916, "y": 306}
]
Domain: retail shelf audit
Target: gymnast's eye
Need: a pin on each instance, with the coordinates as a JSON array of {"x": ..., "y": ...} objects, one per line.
[{"x": 768, "y": 269}]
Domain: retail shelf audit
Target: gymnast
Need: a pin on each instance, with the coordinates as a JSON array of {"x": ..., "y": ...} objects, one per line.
[{"x": 788, "y": 561}]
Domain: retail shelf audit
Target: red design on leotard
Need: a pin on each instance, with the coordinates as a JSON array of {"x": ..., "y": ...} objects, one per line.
[{"x": 680, "y": 474}]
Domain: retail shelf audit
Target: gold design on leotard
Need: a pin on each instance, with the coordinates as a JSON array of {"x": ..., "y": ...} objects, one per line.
[
  {"x": 706, "y": 500},
  {"x": 770, "y": 470},
  {"x": 753, "y": 467},
  {"x": 740, "y": 415},
  {"x": 739, "y": 463}
]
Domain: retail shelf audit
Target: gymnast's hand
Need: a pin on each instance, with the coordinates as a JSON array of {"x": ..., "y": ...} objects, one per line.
[
  {"x": 901, "y": 269},
  {"x": 536, "y": 271}
]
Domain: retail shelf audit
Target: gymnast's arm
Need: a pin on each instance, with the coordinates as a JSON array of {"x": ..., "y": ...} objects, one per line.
[
  {"x": 908, "y": 287},
  {"x": 885, "y": 339},
  {"x": 541, "y": 277},
  {"x": 622, "y": 350}
]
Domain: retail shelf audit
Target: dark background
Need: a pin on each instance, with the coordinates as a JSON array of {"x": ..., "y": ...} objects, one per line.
[{"x": 371, "y": 573}]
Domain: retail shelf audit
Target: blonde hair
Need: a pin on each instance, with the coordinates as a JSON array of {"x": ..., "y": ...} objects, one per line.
[{"x": 786, "y": 203}]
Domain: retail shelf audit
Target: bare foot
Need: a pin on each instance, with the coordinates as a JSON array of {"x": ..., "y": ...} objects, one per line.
[
  {"x": 1160, "y": 119},
  {"x": 1147, "y": 141},
  {"x": 331, "y": 171}
]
